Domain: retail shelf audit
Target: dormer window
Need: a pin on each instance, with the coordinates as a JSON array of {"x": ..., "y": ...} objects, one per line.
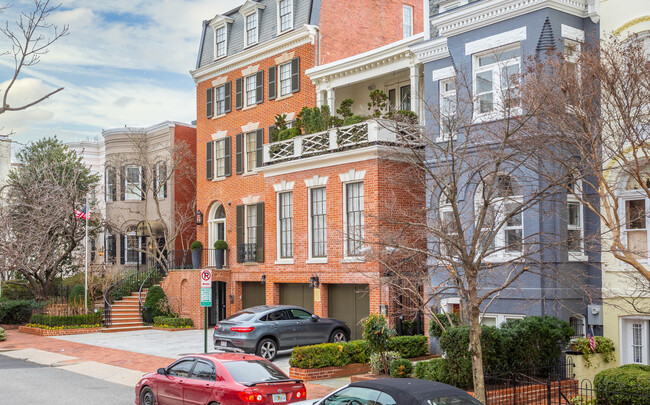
[
  {"x": 221, "y": 42},
  {"x": 251, "y": 29},
  {"x": 220, "y": 26},
  {"x": 285, "y": 14}
]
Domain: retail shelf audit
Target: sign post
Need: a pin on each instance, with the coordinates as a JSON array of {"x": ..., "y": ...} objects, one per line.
[{"x": 206, "y": 301}]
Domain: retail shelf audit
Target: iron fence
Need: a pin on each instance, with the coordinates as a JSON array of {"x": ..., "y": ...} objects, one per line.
[{"x": 247, "y": 252}]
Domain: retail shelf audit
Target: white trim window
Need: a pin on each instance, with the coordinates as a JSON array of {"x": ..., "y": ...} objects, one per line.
[
  {"x": 496, "y": 320},
  {"x": 285, "y": 74},
  {"x": 634, "y": 340},
  {"x": 220, "y": 41},
  {"x": 317, "y": 222},
  {"x": 496, "y": 81},
  {"x": 407, "y": 20},
  {"x": 251, "y": 224},
  {"x": 578, "y": 324},
  {"x": 506, "y": 199},
  {"x": 353, "y": 219},
  {"x": 132, "y": 183},
  {"x": 220, "y": 100},
  {"x": 572, "y": 51},
  {"x": 285, "y": 15},
  {"x": 251, "y": 29},
  {"x": 285, "y": 225},
  {"x": 251, "y": 90},
  {"x": 216, "y": 229},
  {"x": 250, "y": 151},
  {"x": 635, "y": 204},
  {"x": 131, "y": 246},
  {"x": 160, "y": 187},
  {"x": 448, "y": 108},
  {"x": 220, "y": 158}
]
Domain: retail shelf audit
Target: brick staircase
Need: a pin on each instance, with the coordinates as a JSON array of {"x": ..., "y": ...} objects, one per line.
[{"x": 125, "y": 315}]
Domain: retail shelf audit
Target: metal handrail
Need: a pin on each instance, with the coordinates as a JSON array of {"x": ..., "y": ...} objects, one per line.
[
  {"x": 160, "y": 271},
  {"x": 109, "y": 296}
]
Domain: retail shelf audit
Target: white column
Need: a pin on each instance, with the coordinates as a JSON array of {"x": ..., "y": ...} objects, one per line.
[
  {"x": 331, "y": 100},
  {"x": 320, "y": 97},
  {"x": 415, "y": 90}
]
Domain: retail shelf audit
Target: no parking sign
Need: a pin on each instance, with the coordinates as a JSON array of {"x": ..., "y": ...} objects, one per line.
[{"x": 206, "y": 288}]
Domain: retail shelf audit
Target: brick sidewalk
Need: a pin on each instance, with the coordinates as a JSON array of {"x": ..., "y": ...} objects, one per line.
[{"x": 120, "y": 358}]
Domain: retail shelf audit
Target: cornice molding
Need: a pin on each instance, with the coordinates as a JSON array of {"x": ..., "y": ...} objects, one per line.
[
  {"x": 431, "y": 50},
  {"x": 250, "y": 7},
  {"x": 489, "y": 12},
  {"x": 165, "y": 125},
  {"x": 399, "y": 50},
  {"x": 305, "y": 34},
  {"x": 219, "y": 21}
]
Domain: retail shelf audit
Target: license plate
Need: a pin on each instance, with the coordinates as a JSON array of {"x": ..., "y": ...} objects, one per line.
[
  {"x": 279, "y": 397},
  {"x": 223, "y": 343}
]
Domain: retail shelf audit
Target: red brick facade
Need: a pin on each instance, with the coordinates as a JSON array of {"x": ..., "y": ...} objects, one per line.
[{"x": 348, "y": 28}]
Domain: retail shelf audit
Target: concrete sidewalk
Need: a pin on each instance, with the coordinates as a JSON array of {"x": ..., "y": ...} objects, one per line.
[{"x": 123, "y": 357}]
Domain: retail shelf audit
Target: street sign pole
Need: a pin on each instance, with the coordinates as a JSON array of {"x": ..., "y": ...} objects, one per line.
[{"x": 206, "y": 301}]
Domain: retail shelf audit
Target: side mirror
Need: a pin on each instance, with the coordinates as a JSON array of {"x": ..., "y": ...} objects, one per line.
[
  {"x": 162, "y": 371},
  {"x": 314, "y": 317}
]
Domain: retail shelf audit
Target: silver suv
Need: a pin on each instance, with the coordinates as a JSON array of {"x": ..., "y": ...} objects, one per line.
[{"x": 265, "y": 329}]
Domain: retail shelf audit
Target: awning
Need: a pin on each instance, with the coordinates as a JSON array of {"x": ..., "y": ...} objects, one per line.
[{"x": 150, "y": 228}]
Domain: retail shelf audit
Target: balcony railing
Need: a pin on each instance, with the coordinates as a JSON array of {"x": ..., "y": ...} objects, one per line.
[
  {"x": 247, "y": 252},
  {"x": 368, "y": 132}
]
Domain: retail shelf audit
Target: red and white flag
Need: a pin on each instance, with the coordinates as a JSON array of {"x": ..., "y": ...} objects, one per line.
[
  {"x": 81, "y": 214},
  {"x": 592, "y": 342}
]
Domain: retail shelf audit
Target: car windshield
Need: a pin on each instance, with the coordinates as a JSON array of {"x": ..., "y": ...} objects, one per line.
[
  {"x": 250, "y": 371},
  {"x": 454, "y": 400},
  {"x": 241, "y": 316},
  {"x": 356, "y": 396}
]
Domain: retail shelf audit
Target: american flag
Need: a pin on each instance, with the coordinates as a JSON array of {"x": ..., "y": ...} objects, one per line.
[
  {"x": 592, "y": 342},
  {"x": 81, "y": 214}
]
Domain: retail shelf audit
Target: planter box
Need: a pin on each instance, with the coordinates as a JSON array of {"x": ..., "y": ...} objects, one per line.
[
  {"x": 57, "y": 332},
  {"x": 311, "y": 374}
]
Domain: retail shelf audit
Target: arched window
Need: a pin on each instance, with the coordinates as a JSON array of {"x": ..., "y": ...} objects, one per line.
[
  {"x": 577, "y": 322},
  {"x": 504, "y": 196},
  {"x": 216, "y": 228}
]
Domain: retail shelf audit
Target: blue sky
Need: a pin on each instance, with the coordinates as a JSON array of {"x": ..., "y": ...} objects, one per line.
[{"x": 125, "y": 62}]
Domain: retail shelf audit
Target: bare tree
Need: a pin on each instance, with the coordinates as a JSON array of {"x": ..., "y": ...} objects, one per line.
[
  {"x": 597, "y": 109},
  {"x": 481, "y": 168},
  {"x": 38, "y": 226},
  {"x": 165, "y": 169},
  {"x": 30, "y": 37}
]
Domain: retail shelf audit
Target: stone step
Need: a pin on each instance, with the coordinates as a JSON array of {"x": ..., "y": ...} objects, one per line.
[
  {"x": 124, "y": 329},
  {"x": 121, "y": 323},
  {"x": 125, "y": 318}
]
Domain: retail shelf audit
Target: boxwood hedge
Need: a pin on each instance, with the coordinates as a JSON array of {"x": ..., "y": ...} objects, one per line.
[
  {"x": 69, "y": 320},
  {"x": 624, "y": 385},
  {"x": 164, "y": 321}
]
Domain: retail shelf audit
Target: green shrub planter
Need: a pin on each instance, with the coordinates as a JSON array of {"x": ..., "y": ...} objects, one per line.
[
  {"x": 220, "y": 247},
  {"x": 172, "y": 323},
  {"x": 197, "y": 252}
]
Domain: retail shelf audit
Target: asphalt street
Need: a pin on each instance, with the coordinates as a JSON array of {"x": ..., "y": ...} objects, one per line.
[{"x": 23, "y": 382}]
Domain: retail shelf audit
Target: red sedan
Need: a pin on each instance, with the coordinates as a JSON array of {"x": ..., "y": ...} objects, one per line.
[{"x": 222, "y": 378}]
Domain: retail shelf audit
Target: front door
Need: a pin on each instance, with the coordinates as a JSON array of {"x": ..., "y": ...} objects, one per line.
[
  {"x": 636, "y": 342},
  {"x": 217, "y": 311}
]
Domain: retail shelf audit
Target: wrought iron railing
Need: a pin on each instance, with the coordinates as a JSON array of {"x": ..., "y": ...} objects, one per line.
[
  {"x": 157, "y": 273},
  {"x": 247, "y": 252},
  {"x": 127, "y": 284}
]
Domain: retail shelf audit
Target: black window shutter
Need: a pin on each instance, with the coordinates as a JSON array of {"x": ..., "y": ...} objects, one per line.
[
  {"x": 271, "y": 137},
  {"x": 239, "y": 97},
  {"x": 273, "y": 84},
  {"x": 259, "y": 94},
  {"x": 228, "y": 98},
  {"x": 227, "y": 154},
  {"x": 123, "y": 248},
  {"x": 163, "y": 175},
  {"x": 156, "y": 174},
  {"x": 122, "y": 182},
  {"x": 143, "y": 255},
  {"x": 209, "y": 162},
  {"x": 143, "y": 183},
  {"x": 295, "y": 75},
  {"x": 239, "y": 153},
  {"x": 240, "y": 232},
  {"x": 259, "y": 143},
  {"x": 260, "y": 233},
  {"x": 208, "y": 102}
]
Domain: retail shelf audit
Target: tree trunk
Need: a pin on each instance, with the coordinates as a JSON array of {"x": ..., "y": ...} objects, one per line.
[{"x": 475, "y": 341}]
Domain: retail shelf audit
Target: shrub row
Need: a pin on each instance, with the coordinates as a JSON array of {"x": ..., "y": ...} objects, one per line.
[
  {"x": 168, "y": 322},
  {"x": 625, "y": 385},
  {"x": 14, "y": 312},
  {"x": 356, "y": 351},
  {"x": 3, "y": 335},
  {"x": 67, "y": 320}
]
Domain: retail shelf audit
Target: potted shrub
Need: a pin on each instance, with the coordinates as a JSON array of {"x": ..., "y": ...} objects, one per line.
[
  {"x": 197, "y": 251},
  {"x": 220, "y": 247}
]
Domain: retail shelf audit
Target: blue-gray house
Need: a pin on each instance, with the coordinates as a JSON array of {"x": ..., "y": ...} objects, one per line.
[{"x": 472, "y": 54}]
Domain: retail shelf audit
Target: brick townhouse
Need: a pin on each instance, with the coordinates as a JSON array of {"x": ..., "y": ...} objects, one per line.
[{"x": 293, "y": 212}]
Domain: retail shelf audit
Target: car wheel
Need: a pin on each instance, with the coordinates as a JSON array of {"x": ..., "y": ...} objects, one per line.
[
  {"x": 147, "y": 397},
  {"x": 267, "y": 349},
  {"x": 338, "y": 336}
]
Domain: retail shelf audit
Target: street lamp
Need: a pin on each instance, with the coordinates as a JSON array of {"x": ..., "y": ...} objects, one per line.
[{"x": 199, "y": 217}]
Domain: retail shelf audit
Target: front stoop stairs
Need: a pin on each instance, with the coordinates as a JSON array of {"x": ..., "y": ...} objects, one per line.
[{"x": 125, "y": 315}]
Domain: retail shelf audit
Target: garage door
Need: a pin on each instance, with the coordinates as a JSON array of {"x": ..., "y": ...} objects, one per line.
[
  {"x": 297, "y": 294},
  {"x": 253, "y": 294},
  {"x": 349, "y": 303}
]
